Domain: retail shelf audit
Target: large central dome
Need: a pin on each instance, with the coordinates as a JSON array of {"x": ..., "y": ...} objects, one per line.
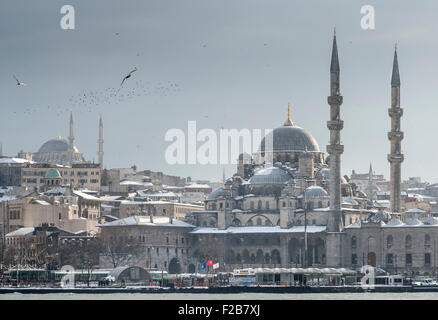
[
  {"x": 54, "y": 145},
  {"x": 289, "y": 138}
]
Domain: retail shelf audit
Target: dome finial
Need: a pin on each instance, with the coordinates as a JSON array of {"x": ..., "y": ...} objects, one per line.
[{"x": 288, "y": 122}]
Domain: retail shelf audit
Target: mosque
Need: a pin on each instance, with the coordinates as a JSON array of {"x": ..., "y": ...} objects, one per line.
[
  {"x": 62, "y": 151},
  {"x": 298, "y": 211}
]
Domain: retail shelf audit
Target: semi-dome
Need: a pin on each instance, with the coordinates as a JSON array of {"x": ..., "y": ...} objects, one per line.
[
  {"x": 315, "y": 192},
  {"x": 289, "y": 138},
  {"x": 272, "y": 175}
]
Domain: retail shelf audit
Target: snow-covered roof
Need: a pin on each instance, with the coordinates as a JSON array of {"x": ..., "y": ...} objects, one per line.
[
  {"x": 86, "y": 195},
  {"x": 145, "y": 221},
  {"x": 8, "y": 198},
  {"x": 14, "y": 160},
  {"x": 197, "y": 186},
  {"x": 415, "y": 210},
  {"x": 356, "y": 225},
  {"x": 111, "y": 198},
  {"x": 21, "y": 232},
  {"x": 136, "y": 183},
  {"x": 259, "y": 229},
  {"x": 41, "y": 202}
]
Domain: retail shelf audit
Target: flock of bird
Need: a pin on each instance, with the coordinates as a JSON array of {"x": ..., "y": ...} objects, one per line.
[
  {"x": 110, "y": 95},
  {"x": 89, "y": 100}
]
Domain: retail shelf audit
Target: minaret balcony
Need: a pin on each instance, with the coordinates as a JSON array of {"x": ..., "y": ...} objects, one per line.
[
  {"x": 395, "y": 135},
  {"x": 335, "y": 148},
  {"x": 395, "y": 158},
  {"x": 335, "y": 100},
  {"x": 395, "y": 112},
  {"x": 335, "y": 124}
]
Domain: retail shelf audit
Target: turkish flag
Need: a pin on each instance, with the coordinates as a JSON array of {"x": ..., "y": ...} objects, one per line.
[{"x": 209, "y": 262}]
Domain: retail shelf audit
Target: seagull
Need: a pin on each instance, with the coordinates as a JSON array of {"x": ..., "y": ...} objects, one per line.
[
  {"x": 128, "y": 76},
  {"x": 18, "y": 82}
]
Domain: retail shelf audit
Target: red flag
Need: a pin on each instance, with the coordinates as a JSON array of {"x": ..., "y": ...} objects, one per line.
[{"x": 209, "y": 262}]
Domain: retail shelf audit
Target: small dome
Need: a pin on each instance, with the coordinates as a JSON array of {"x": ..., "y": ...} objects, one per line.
[
  {"x": 272, "y": 175},
  {"x": 394, "y": 222},
  {"x": 413, "y": 222},
  {"x": 431, "y": 221},
  {"x": 217, "y": 193},
  {"x": 315, "y": 192},
  {"x": 52, "y": 174}
]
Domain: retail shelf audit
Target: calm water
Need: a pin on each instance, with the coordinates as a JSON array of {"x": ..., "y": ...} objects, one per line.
[{"x": 241, "y": 296}]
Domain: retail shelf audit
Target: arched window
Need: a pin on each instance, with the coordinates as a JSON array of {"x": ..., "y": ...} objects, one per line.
[
  {"x": 389, "y": 241},
  {"x": 267, "y": 205},
  {"x": 251, "y": 204},
  {"x": 408, "y": 242},
  {"x": 249, "y": 223},
  {"x": 259, "y": 221},
  {"x": 259, "y": 205}
]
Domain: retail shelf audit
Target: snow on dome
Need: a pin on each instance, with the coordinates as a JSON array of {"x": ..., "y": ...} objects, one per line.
[
  {"x": 413, "y": 222},
  {"x": 394, "y": 222},
  {"x": 315, "y": 192},
  {"x": 272, "y": 175},
  {"x": 431, "y": 221}
]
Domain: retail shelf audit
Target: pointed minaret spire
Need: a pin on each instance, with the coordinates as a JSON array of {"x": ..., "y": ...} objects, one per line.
[
  {"x": 395, "y": 136},
  {"x": 100, "y": 142},
  {"x": 395, "y": 79},
  {"x": 1, "y": 149},
  {"x": 370, "y": 173},
  {"x": 334, "y": 65},
  {"x": 288, "y": 122},
  {"x": 335, "y": 148},
  {"x": 71, "y": 137}
]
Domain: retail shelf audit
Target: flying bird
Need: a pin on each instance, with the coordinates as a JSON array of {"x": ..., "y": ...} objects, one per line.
[
  {"x": 19, "y": 83},
  {"x": 128, "y": 76}
]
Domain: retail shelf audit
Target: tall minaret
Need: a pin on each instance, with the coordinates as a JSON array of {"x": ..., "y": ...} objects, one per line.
[
  {"x": 395, "y": 136},
  {"x": 335, "y": 149},
  {"x": 100, "y": 142},
  {"x": 71, "y": 137}
]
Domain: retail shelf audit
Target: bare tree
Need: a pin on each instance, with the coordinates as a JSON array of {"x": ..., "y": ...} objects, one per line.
[{"x": 122, "y": 251}]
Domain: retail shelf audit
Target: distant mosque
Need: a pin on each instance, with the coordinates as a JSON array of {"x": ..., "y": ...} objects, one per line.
[{"x": 62, "y": 151}]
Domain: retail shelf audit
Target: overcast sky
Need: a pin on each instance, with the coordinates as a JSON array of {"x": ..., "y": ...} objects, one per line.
[{"x": 236, "y": 64}]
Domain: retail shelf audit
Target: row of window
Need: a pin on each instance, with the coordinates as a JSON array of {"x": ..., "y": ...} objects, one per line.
[
  {"x": 390, "y": 241},
  {"x": 157, "y": 251},
  {"x": 391, "y": 259}
]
